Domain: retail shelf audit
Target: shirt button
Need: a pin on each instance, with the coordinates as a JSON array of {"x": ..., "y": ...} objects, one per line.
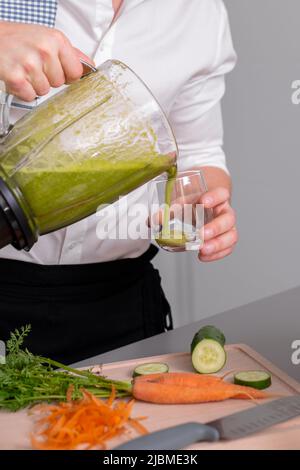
[{"x": 72, "y": 246}]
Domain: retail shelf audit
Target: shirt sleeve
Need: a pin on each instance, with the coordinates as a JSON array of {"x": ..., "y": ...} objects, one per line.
[{"x": 196, "y": 116}]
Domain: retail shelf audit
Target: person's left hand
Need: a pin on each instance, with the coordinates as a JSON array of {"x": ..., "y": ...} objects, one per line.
[{"x": 220, "y": 235}]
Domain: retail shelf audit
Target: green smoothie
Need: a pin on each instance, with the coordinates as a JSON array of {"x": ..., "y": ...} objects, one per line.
[
  {"x": 174, "y": 239},
  {"x": 167, "y": 237},
  {"x": 84, "y": 147},
  {"x": 168, "y": 200},
  {"x": 69, "y": 194}
]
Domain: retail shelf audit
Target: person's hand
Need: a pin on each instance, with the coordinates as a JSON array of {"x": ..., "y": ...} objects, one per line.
[
  {"x": 220, "y": 235},
  {"x": 34, "y": 58}
]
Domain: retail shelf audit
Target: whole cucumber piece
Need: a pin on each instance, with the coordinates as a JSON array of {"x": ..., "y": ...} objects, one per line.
[{"x": 208, "y": 332}]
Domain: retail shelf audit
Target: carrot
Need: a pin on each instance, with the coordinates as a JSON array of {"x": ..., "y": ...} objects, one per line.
[
  {"x": 89, "y": 422},
  {"x": 181, "y": 378},
  {"x": 177, "y": 388},
  {"x": 137, "y": 426},
  {"x": 70, "y": 392}
]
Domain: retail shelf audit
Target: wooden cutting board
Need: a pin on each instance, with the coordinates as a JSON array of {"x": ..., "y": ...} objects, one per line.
[{"x": 16, "y": 427}]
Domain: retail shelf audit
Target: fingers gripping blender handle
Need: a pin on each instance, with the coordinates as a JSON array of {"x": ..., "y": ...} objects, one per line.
[
  {"x": 6, "y": 100},
  {"x": 173, "y": 438},
  {"x": 87, "y": 68}
]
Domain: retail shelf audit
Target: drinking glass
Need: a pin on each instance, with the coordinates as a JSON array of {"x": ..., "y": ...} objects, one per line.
[{"x": 177, "y": 217}]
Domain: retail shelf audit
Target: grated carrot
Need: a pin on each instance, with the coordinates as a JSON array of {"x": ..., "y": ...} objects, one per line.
[
  {"x": 86, "y": 423},
  {"x": 137, "y": 426}
]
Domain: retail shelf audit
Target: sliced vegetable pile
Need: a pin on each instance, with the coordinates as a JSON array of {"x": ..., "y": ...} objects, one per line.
[
  {"x": 26, "y": 379},
  {"x": 83, "y": 424}
]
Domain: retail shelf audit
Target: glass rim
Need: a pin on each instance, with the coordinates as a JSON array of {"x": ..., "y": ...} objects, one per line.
[{"x": 180, "y": 175}]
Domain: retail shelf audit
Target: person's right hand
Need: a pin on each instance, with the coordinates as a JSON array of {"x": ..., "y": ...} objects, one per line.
[{"x": 34, "y": 58}]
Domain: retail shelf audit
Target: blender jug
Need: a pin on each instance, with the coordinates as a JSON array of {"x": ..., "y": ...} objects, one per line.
[{"x": 95, "y": 141}]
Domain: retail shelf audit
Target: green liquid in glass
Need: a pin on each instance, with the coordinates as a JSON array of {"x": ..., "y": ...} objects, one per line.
[{"x": 167, "y": 237}]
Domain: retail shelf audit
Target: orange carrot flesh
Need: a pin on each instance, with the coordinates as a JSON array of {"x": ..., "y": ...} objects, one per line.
[
  {"x": 86, "y": 423},
  {"x": 137, "y": 426},
  {"x": 181, "y": 388},
  {"x": 181, "y": 378}
]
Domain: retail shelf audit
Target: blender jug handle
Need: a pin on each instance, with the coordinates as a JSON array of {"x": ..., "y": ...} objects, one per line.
[
  {"x": 6, "y": 100},
  {"x": 5, "y": 103},
  {"x": 87, "y": 68}
]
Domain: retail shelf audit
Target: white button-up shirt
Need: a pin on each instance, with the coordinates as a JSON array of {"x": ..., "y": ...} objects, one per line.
[{"x": 181, "y": 49}]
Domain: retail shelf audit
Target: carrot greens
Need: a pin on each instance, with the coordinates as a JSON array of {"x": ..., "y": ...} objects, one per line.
[{"x": 26, "y": 378}]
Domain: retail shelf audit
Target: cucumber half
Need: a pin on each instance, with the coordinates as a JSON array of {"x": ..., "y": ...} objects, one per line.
[
  {"x": 208, "y": 356},
  {"x": 150, "y": 368},
  {"x": 208, "y": 332},
  {"x": 253, "y": 378}
]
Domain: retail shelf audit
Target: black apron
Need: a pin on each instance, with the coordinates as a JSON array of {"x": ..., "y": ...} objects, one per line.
[{"x": 79, "y": 311}]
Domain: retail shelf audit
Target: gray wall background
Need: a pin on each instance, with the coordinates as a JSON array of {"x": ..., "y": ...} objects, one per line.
[{"x": 262, "y": 129}]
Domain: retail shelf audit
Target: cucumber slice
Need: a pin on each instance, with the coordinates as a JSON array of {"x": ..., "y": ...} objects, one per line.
[
  {"x": 253, "y": 378},
  {"x": 150, "y": 368},
  {"x": 208, "y": 356},
  {"x": 208, "y": 332}
]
